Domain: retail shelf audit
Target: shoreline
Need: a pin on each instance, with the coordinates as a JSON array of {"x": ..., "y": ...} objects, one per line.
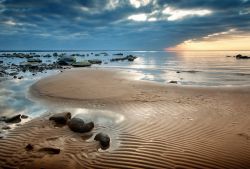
[{"x": 150, "y": 124}]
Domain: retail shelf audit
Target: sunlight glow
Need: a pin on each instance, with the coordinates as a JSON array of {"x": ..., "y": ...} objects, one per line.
[{"x": 228, "y": 40}]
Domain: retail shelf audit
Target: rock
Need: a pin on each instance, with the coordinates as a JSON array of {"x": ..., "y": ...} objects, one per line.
[
  {"x": 55, "y": 54},
  {"x": 23, "y": 116},
  {"x": 103, "y": 139},
  {"x": 6, "y": 127},
  {"x": 3, "y": 118},
  {"x": 121, "y": 54},
  {"x": 95, "y": 61},
  {"x": 66, "y": 61},
  {"x": 50, "y": 150},
  {"x": 29, "y": 147},
  {"x": 129, "y": 58},
  {"x": 13, "y": 119},
  {"x": 61, "y": 118},
  {"x": 239, "y": 56},
  {"x": 20, "y": 77},
  {"x": 81, "y": 64},
  {"x": 47, "y": 56},
  {"x": 178, "y": 72},
  {"x": 34, "y": 60},
  {"x": 78, "y": 125},
  {"x": 13, "y": 73},
  {"x": 173, "y": 81}
]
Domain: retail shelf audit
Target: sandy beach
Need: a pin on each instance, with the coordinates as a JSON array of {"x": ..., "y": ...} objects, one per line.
[{"x": 151, "y": 125}]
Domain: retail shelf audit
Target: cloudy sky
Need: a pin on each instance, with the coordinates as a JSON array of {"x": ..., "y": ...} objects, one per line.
[{"x": 124, "y": 24}]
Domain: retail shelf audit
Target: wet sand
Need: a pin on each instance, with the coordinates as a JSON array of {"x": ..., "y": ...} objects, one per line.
[{"x": 159, "y": 126}]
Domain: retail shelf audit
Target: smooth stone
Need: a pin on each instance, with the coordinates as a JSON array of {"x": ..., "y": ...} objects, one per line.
[
  {"x": 13, "y": 119},
  {"x": 29, "y": 147},
  {"x": 103, "y": 139},
  {"x": 78, "y": 125},
  {"x": 173, "y": 82},
  {"x": 82, "y": 64},
  {"x": 61, "y": 118},
  {"x": 95, "y": 61}
]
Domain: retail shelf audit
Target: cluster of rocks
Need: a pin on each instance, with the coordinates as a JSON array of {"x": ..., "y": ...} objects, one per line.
[
  {"x": 71, "y": 61},
  {"x": 239, "y": 56},
  {"x": 80, "y": 126},
  {"x": 12, "y": 119},
  {"x": 129, "y": 58}
]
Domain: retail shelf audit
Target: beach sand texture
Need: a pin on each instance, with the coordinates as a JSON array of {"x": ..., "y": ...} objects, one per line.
[{"x": 160, "y": 126}]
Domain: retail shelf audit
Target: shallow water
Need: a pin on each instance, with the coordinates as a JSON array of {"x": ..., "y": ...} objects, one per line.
[{"x": 206, "y": 68}]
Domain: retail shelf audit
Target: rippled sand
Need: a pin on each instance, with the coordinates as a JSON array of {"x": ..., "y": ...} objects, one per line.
[{"x": 152, "y": 125}]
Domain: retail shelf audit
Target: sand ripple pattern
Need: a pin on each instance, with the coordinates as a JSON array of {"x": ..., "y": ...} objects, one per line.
[{"x": 158, "y": 135}]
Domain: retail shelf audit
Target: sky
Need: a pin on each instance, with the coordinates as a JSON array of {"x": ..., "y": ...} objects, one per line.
[{"x": 124, "y": 24}]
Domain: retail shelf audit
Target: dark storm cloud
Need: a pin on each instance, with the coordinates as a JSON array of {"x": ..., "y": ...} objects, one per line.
[{"x": 104, "y": 24}]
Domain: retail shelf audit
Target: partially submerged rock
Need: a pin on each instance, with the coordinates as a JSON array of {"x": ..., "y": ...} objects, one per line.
[
  {"x": 61, "y": 118},
  {"x": 82, "y": 64},
  {"x": 95, "y": 61},
  {"x": 23, "y": 116},
  {"x": 66, "y": 61},
  {"x": 78, "y": 125},
  {"x": 34, "y": 60},
  {"x": 13, "y": 119},
  {"x": 129, "y": 58},
  {"x": 6, "y": 127},
  {"x": 103, "y": 139}
]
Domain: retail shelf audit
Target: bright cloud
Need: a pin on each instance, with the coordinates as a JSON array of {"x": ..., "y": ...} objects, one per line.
[
  {"x": 139, "y": 3},
  {"x": 176, "y": 14},
  {"x": 138, "y": 17},
  {"x": 169, "y": 14}
]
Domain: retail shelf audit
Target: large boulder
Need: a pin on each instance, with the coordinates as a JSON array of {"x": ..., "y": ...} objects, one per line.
[
  {"x": 82, "y": 64},
  {"x": 61, "y": 118},
  {"x": 103, "y": 139},
  {"x": 66, "y": 61},
  {"x": 78, "y": 125}
]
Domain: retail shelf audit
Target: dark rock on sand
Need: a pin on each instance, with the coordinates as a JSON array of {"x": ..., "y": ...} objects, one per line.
[
  {"x": 103, "y": 139},
  {"x": 78, "y": 125},
  {"x": 239, "y": 56},
  {"x": 6, "y": 127},
  {"x": 173, "y": 81},
  {"x": 95, "y": 61},
  {"x": 61, "y": 118},
  {"x": 13, "y": 119},
  {"x": 50, "y": 150},
  {"x": 82, "y": 64},
  {"x": 20, "y": 77},
  {"x": 29, "y": 147}
]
